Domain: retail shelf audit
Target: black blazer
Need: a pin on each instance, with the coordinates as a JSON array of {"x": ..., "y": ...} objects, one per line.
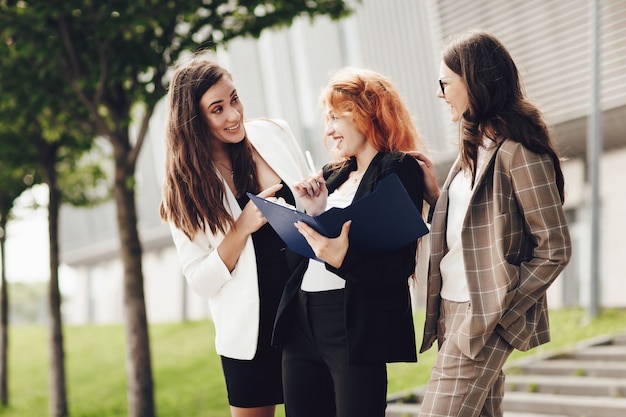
[{"x": 378, "y": 313}]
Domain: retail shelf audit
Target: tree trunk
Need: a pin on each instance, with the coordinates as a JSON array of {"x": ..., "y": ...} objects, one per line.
[
  {"x": 138, "y": 361},
  {"x": 4, "y": 319},
  {"x": 58, "y": 395}
]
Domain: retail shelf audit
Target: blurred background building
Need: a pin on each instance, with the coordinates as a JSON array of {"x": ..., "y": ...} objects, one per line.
[{"x": 281, "y": 74}]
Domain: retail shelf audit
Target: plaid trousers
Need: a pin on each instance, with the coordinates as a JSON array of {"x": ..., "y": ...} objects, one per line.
[{"x": 460, "y": 386}]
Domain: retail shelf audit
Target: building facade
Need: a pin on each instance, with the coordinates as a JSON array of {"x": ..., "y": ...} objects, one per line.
[{"x": 281, "y": 74}]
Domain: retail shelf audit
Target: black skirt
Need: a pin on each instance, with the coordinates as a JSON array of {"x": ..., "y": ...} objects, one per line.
[{"x": 258, "y": 382}]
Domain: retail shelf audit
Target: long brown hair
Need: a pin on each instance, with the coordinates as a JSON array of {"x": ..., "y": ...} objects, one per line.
[
  {"x": 193, "y": 193},
  {"x": 376, "y": 106},
  {"x": 498, "y": 107}
]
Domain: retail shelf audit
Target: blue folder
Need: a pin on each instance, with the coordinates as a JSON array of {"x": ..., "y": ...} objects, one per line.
[{"x": 384, "y": 220}]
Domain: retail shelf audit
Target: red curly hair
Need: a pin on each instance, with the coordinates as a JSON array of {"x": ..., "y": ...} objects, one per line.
[{"x": 376, "y": 106}]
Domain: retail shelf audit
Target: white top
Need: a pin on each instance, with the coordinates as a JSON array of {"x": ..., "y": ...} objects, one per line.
[
  {"x": 452, "y": 267},
  {"x": 454, "y": 284},
  {"x": 317, "y": 277}
]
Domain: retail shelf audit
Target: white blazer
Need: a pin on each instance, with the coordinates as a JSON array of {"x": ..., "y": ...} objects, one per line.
[{"x": 234, "y": 296}]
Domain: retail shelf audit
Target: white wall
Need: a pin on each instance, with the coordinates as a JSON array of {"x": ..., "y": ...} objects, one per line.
[{"x": 613, "y": 229}]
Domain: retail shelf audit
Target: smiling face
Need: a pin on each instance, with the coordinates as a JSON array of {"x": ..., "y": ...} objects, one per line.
[
  {"x": 348, "y": 140},
  {"x": 455, "y": 92},
  {"x": 223, "y": 112}
]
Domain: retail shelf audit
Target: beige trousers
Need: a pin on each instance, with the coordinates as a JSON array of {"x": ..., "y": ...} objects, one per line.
[{"x": 460, "y": 386}]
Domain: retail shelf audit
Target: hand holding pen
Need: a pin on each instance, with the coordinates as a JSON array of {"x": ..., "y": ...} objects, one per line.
[
  {"x": 312, "y": 191},
  {"x": 330, "y": 250}
]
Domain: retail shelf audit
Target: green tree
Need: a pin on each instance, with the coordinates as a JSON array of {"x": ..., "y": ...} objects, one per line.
[
  {"x": 37, "y": 134},
  {"x": 53, "y": 152},
  {"x": 14, "y": 179},
  {"x": 16, "y": 175},
  {"x": 55, "y": 156},
  {"x": 115, "y": 55}
]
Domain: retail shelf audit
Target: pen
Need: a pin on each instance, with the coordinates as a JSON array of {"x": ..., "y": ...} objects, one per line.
[{"x": 309, "y": 161}]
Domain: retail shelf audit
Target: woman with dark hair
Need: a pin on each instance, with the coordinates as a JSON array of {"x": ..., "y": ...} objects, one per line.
[
  {"x": 341, "y": 320},
  {"x": 499, "y": 236},
  {"x": 228, "y": 252}
]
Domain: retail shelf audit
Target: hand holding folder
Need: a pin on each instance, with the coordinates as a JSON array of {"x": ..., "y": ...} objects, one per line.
[{"x": 384, "y": 220}]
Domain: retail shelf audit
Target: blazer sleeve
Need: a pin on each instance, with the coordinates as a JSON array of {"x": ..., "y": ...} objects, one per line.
[
  {"x": 533, "y": 182},
  {"x": 380, "y": 269},
  {"x": 204, "y": 269}
]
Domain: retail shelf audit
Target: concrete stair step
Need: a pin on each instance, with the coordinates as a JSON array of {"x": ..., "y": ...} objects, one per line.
[
  {"x": 569, "y": 405},
  {"x": 576, "y": 368},
  {"x": 588, "y": 382},
  {"x": 619, "y": 339},
  {"x": 600, "y": 353},
  {"x": 524, "y": 414},
  {"x": 596, "y": 353},
  {"x": 567, "y": 385},
  {"x": 402, "y": 410},
  {"x": 412, "y": 410}
]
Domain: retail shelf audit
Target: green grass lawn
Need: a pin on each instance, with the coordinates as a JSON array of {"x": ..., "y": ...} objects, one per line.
[{"x": 186, "y": 369}]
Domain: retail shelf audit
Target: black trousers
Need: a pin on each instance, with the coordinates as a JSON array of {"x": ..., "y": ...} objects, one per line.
[{"x": 318, "y": 379}]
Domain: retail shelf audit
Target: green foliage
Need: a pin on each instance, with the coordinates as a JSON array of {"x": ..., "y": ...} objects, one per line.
[
  {"x": 115, "y": 54},
  {"x": 17, "y": 168},
  {"x": 39, "y": 137},
  {"x": 13, "y": 181},
  {"x": 85, "y": 182},
  {"x": 187, "y": 371}
]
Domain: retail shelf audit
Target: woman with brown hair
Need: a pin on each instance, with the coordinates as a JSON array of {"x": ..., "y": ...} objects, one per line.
[
  {"x": 228, "y": 252},
  {"x": 499, "y": 236}
]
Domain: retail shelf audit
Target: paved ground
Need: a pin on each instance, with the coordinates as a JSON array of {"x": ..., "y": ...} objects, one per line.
[{"x": 589, "y": 381}]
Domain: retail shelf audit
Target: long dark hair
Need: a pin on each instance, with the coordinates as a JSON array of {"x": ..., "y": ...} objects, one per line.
[
  {"x": 498, "y": 108},
  {"x": 193, "y": 193}
]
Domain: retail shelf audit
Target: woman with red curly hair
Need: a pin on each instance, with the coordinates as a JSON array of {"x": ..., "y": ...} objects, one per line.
[{"x": 341, "y": 320}]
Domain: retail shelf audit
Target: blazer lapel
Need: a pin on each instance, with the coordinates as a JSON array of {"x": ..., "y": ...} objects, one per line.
[
  {"x": 456, "y": 167},
  {"x": 440, "y": 219},
  {"x": 229, "y": 198},
  {"x": 370, "y": 176},
  {"x": 339, "y": 176},
  {"x": 488, "y": 161},
  {"x": 442, "y": 202}
]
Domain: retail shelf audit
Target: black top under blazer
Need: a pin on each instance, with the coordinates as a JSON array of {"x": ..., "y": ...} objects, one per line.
[{"x": 378, "y": 313}]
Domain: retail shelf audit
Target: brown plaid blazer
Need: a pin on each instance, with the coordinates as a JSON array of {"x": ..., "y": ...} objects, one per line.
[{"x": 515, "y": 243}]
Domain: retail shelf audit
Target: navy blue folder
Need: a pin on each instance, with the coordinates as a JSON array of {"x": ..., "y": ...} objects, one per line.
[{"x": 384, "y": 220}]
